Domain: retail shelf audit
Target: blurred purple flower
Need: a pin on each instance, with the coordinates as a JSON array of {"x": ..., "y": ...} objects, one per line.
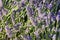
[
  {"x": 53, "y": 17},
  {"x": 22, "y": 4},
  {"x": 46, "y": 19},
  {"x": 58, "y": 13},
  {"x": 8, "y": 31},
  {"x": 13, "y": 18},
  {"x": 37, "y": 3},
  {"x": 49, "y": 6},
  {"x": 40, "y": 5},
  {"x": 58, "y": 1},
  {"x": 0, "y": 13},
  {"x": 30, "y": 11},
  {"x": 54, "y": 37},
  {"x": 16, "y": 26},
  {"x": 36, "y": 33},
  {"x": 33, "y": 21},
  {"x": 58, "y": 16},
  {"x": 28, "y": 37}
]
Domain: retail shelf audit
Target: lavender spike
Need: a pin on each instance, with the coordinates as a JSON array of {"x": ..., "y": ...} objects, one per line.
[
  {"x": 27, "y": 37},
  {"x": 13, "y": 18},
  {"x": 54, "y": 37},
  {"x": 16, "y": 26},
  {"x": 33, "y": 21},
  {"x": 8, "y": 31},
  {"x": 29, "y": 11},
  {"x": 36, "y": 33},
  {"x": 58, "y": 16}
]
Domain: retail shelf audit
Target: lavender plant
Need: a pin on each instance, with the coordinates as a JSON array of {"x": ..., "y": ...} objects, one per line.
[{"x": 29, "y": 19}]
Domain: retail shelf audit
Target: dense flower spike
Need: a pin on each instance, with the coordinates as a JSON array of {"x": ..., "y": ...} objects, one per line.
[{"x": 29, "y": 19}]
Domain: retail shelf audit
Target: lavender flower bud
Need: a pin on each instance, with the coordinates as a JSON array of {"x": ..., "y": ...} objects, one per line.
[
  {"x": 16, "y": 26},
  {"x": 4, "y": 11},
  {"x": 29, "y": 11},
  {"x": 8, "y": 31},
  {"x": 36, "y": 33},
  {"x": 22, "y": 4},
  {"x": 54, "y": 37},
  {"x": 53, "y": 17},
  {"x": 13, "y": 18},
  {"x": 33, "y": 21},
  {"x": 58, "y": 16},
  {"x": 28, "y": 37}
]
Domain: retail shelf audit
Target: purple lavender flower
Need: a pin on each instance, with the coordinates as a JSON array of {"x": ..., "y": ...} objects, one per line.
[
  {"x": 46, "y": 19},
  {"x": 40, "y": 5},
  {"x": 37, "y": 3},
  {"x": 28, "y": 37},
  {"x": 58, "y": 1},
  {"x": 58, "y": 13},
  {"x": 53, "y": 17},
  {"x": 58, "y": 16},
  {"x": 36, "y": 33},
  {"x": 22, "y": 4},
  {"x": 0, "y": 13},
  {"x": 16, "y": 26},
  {"x": 50, "y": 6},
  {"x": 29, "y": 11},
  {"x": 13, "y": 18},
  {"x": 54, "y": 37},
  {"x": 8, "y": 31},
  {"x": 33, "y": 21}
]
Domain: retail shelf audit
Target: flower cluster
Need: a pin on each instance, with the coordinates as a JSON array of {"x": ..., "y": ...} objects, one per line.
[{"x": 30, "y": 19}]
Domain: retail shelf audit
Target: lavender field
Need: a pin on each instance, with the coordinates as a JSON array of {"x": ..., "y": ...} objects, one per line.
[{"x": 29, "y": 19}]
